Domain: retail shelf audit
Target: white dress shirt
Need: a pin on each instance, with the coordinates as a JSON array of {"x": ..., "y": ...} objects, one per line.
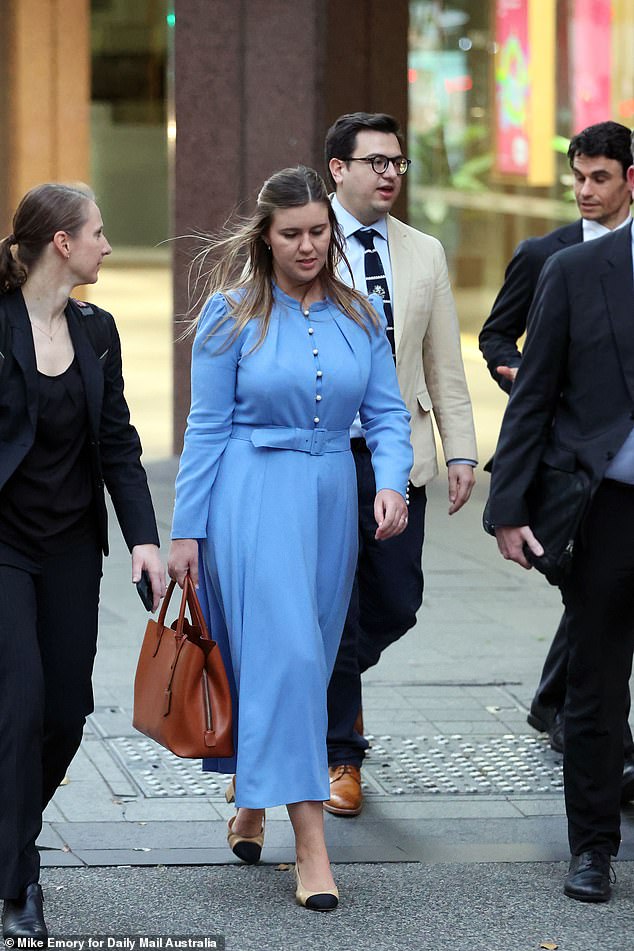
[{"x": 594, "y": 229}]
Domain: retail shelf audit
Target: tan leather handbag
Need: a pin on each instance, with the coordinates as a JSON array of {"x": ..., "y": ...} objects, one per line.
[{"x": 181, "y": 691}]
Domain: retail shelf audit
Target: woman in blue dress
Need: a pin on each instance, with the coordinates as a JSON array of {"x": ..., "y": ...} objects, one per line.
[{"x": 284, "y": 357}]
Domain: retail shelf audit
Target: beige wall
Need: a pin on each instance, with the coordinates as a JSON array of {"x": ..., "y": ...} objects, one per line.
[{"x": 45, "y": 81}]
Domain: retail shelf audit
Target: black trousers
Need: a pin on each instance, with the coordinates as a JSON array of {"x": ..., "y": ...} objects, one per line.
[
  {"x": 551, "y": 690},
  {"x": 599, "y": 600},
  {"x": 48, "y": 637},
  {"x": 387, "y": 593}
]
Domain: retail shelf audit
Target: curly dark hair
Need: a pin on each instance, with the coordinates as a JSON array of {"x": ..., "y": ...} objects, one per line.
[{"x": 605, "y": 138}]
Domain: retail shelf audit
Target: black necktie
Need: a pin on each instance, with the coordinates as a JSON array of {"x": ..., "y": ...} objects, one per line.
[{"x": 375, "y": 277}]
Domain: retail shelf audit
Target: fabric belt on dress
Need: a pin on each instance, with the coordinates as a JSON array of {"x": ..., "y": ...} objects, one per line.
[{"x": 314, "y": 441}]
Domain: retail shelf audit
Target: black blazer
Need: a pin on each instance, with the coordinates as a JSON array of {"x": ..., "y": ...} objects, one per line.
[
  {"x": 507, "y": 321},
  {"x": 572, "y": 402},
  {"x": 115, "y": 449}
]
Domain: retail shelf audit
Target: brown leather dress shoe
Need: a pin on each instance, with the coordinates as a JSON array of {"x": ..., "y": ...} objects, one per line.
[{"x": 346, "y": 796}]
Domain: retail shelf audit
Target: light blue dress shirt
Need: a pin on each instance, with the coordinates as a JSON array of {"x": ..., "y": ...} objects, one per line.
[{"x": 355, "y": 251}]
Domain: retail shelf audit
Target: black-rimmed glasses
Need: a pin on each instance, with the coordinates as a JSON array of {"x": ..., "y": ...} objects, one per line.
[{"x": 381, "y": 163}]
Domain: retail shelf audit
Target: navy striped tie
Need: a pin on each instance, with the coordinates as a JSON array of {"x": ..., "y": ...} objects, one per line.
[{"x": 375, "y": 277}]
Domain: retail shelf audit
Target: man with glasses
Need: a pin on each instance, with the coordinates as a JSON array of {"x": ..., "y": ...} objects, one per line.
[{"x": 365, "y": 160}]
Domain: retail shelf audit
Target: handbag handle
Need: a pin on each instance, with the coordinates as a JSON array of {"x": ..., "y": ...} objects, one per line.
[
  {"x": 189, "y": 598},
  {"x": 165, "y": 604}
]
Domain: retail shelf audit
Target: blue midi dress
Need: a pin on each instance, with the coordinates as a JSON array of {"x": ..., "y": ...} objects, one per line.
[{"x": 267, "y": 485}]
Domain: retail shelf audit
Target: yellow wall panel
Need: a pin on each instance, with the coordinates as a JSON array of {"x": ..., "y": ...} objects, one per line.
[
  {"x": 48, "y": 102},
  {"x": 541, "y": 32}
]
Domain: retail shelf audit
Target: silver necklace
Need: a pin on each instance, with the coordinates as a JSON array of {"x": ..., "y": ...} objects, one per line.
[{"x": 48, "y": 336}]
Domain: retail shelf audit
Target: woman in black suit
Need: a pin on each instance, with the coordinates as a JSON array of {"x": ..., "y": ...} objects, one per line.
[{"x": 64, "y": 433}]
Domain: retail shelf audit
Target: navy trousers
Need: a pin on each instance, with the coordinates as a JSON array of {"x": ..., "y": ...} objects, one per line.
[
  {"x": 48, "y": 638},
  {"x": 387, "y": 593}
]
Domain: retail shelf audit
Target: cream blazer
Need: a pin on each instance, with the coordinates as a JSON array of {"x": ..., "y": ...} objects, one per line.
[{"x": 428, "y": 357}]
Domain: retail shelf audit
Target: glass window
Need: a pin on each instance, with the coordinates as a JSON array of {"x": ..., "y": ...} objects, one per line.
[
  {"x": 129, "y": 162},
  {"x": 496, "y": 89}
]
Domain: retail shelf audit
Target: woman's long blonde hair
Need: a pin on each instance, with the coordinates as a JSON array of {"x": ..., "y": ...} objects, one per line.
[{"x": 241, "y": 260}]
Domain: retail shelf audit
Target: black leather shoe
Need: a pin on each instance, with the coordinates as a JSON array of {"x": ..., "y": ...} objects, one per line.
[
  {"x": 627, "y": 782},
  {"x": 548, "y": 720},
  {"x": 588, "y": 877},
  {"x": 23, "y": 917}
]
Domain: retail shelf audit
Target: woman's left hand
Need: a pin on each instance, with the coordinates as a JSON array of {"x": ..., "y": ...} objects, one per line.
[
  {"x": 148, "y": 557},
  {"x": 390, "y": 512}
]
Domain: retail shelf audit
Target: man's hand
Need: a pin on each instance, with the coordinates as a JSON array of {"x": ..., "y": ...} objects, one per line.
[
  {"x": 509, "y": 373},
  {"x": 183, "y": 558},
  {"x": 390, "y": 512},
  {"x": 461, "y": 482},
  {"x": 511, "y": 538},
  {"x": 147, "y": 557}
]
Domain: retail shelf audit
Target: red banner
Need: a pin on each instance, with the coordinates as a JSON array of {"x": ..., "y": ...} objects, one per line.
[
  {"x": 512, "y": 86},
  {"x": 591, "y": 63}
]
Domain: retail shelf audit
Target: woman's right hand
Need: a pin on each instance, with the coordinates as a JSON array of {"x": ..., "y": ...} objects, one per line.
[{"x": 183, "y": 558}]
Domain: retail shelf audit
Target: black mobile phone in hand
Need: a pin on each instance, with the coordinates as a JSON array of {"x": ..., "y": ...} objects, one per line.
[{"x": 144, "y": 587}]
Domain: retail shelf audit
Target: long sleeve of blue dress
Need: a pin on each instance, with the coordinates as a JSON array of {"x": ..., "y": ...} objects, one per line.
[{"x": 213, "y": 394}]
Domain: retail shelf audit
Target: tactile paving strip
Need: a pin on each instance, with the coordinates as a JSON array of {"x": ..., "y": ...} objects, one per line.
[
  {"x": 160, "y": 774},
  {"x": 509, "y": 765}
]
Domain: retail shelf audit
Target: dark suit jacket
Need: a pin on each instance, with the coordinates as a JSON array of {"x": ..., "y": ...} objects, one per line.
[
  {"x": 572, "y": 402},
  {"x": 507, "y": 321},
  {"x": 115, "y": 449}
]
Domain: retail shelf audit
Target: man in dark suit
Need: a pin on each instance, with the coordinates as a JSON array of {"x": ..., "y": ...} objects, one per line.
[
  {"x": 572, "y": 406},
  {"x": 599, "y": 157}
]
